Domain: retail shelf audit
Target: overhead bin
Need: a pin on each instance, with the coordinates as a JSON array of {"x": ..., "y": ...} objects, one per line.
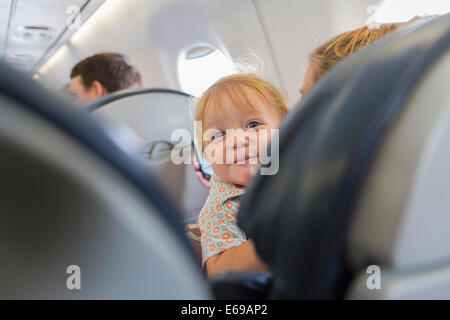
[
  {"x": 80, "y": 219},
  {"x": 155, "y": 115}
]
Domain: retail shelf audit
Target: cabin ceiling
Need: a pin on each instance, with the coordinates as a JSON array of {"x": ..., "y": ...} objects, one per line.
[{"x": 29, "y": 29}]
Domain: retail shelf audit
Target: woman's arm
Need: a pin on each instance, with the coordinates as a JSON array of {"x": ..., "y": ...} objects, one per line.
[{"x": 242, "y": 257}]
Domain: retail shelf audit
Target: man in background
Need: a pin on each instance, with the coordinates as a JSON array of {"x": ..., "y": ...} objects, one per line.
[{"x": 101, "y": 74}]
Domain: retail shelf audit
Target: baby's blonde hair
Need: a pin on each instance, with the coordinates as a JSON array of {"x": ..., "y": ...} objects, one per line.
[{"x": 233, "y": 87}]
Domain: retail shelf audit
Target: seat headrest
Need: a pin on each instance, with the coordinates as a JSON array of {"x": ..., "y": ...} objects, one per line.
[
  {"x": 98, "y": 103},
  {"x": 300, "y": 217},
  {"x": 160, "y": 117}
]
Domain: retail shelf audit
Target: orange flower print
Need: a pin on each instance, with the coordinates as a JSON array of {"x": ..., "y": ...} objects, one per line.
[
  {"x": 222, "y": 250},
  {"x": 216, "y": 229},
  {"x": 212, "y": 247},
  {"x": 203, "y": 221},
  {"x": 226, "y": 235},
  {"x": 202, "y": 231},
  {"x": 208, "y": 225},
  {"x": 201, "y": 215},
  {"x": 222, "y": 189},
  {"x": 212, "y": 214},
  {"x": 220, "y": 221},
  {"x": 219, "y": 207},
  {"x": 232, "y": 192},
  {"x": 218, "y": 199},
  {"x": 233, "y": 229},
  {"x": 229, "y": 205},
  {"x": 230, "y": 215},
  {"x": 229, "y": 240}
]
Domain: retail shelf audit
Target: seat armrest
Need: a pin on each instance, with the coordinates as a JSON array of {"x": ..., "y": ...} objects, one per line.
[{"x": 241, "y": 285}]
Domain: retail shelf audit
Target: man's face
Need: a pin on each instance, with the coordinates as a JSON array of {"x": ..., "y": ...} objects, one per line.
[{"x": 82, "y": 95}]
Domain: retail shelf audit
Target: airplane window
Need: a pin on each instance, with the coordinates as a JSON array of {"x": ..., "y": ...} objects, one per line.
[
  {"x": 200, "y": 67},
  {"x": 404, "y": 10}
]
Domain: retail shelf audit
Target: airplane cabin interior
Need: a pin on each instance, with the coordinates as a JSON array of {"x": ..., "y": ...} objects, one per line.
[{"x": 112, "y": 189}]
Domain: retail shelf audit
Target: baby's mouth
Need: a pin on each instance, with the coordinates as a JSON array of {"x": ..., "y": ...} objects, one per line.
[{"x": 247, "y": 159}]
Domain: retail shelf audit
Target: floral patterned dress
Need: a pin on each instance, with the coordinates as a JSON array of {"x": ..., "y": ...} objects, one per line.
[{"x": 218, "y": 219}]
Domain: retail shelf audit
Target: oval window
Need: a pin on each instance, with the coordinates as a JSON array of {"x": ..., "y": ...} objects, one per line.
[{"x": 200, "y": 67}]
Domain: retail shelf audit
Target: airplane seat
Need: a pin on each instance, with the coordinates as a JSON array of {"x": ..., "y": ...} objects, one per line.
[
  {"x": 359, "y": 206},
  {"x": 241, "y": 285},
  {"x": 154, "y": 115},
  {"x": 80, "y": 219}
]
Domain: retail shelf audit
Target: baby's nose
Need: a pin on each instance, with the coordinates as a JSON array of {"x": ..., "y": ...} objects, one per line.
[{"x": 240, "y": 139}]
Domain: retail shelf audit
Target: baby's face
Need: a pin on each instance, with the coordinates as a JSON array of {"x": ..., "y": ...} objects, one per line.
[{"x": 234, "y": 138}]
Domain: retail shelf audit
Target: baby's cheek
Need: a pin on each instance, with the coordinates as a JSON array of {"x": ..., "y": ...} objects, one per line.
[
  {"x": 214, "y": 154},
  {"x": 263, "y": 140}
]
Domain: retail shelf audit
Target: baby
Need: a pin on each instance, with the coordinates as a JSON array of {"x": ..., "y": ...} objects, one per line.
[{"x": 237, "y": 114}]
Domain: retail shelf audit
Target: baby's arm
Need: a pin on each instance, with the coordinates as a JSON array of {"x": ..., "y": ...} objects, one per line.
[{"x": 242, "y": 257}]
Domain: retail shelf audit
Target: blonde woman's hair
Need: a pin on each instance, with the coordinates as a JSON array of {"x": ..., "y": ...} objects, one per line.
[
  {"x": 329, "y": 54},
  {"x": 234, "y": 87}
]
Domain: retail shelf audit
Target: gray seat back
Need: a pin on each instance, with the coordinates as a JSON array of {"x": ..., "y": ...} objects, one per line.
[
  {"x": 402, "y": 218},
  {"x": 154, "y": 115},
  {"x": 79, "y": 218},
  {"x": 363, "y": 161}
]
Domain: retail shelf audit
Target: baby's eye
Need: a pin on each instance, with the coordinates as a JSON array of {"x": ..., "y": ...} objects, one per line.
[
  {"x": 217, "y": 134},
  {"x": 253, "y": 124}
]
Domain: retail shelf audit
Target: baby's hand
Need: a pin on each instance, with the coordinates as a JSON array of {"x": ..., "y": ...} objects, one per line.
[{"x": 199, "y": 174}]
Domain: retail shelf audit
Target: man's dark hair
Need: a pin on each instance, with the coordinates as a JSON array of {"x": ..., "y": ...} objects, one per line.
[{"x": 110, "y": 69}]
